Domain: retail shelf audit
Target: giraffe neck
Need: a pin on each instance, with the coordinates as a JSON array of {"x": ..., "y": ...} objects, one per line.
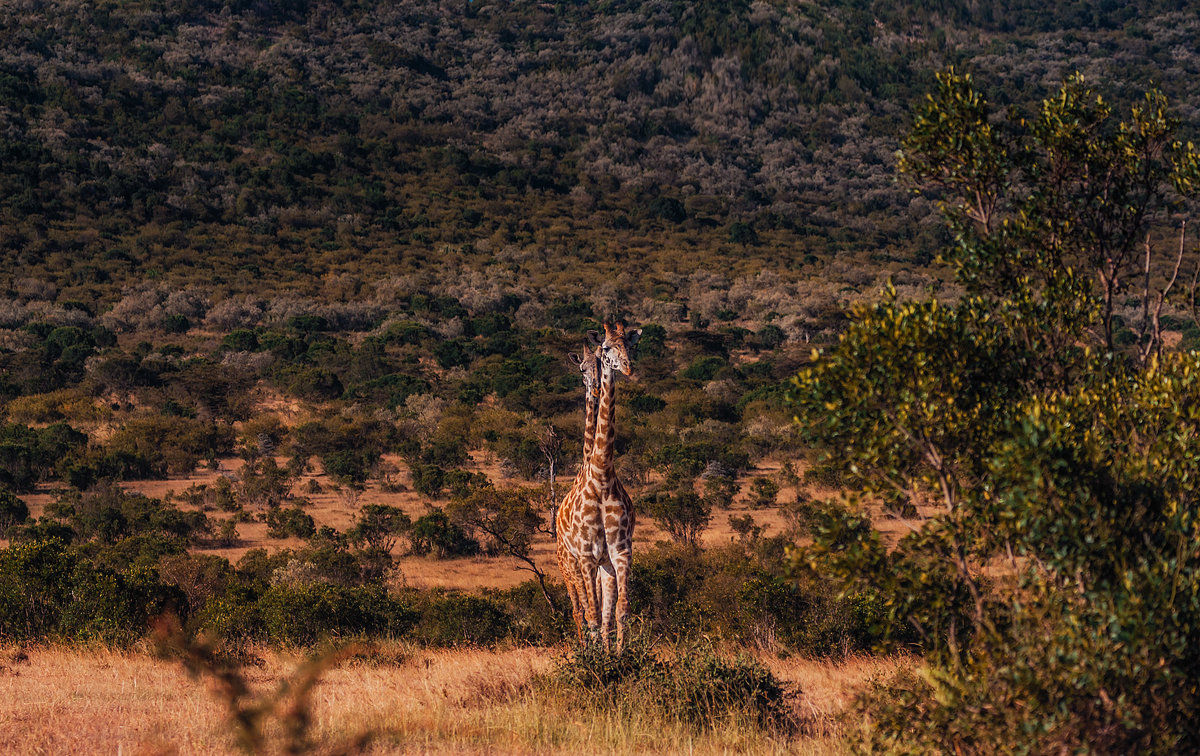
[
  {"x": 589, "y": 424},
  {"x": 606, "y": 428}
]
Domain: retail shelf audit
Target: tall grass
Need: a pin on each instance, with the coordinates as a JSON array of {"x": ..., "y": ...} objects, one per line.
[{"x": 409, "y": 699}]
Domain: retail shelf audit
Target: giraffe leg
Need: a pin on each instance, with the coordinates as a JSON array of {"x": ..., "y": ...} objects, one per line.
[
  {"x": 569, "y": 567},
  {"x": 620, "y": 557},
  {"x": 608, "y": 591},
  {"x": 591, "y": 599},
  {"x": 574, "y": 591}
]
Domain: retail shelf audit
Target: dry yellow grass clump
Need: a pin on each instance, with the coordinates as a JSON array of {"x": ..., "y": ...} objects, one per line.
[{"x": 85, "y": 701}]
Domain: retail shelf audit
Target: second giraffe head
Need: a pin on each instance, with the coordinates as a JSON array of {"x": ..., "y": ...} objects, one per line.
[
  {"x": 613, "y": 349},
  {"x": 589, "y": 367}
]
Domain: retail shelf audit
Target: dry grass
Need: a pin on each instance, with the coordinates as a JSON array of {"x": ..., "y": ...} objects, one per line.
[{"x": 85, "y": 701}]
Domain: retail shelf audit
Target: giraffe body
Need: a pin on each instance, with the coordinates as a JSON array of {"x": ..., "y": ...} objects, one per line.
[
  {"x": 603, "y": 492},
  {"x": 568, "y": 563},
  {"x": 595, "y": 522}
]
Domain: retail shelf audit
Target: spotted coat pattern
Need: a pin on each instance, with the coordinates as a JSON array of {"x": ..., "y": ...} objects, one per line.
[
  {"x": 596, "y": 520},
  {"x": 568, "y": 564}
]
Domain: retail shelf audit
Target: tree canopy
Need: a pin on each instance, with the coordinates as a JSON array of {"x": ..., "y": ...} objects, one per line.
[{"x": 1050, "y": 572}]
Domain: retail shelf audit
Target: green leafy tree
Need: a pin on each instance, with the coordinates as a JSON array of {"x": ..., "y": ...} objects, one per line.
[
  {"x": 436, "y": 533},
  {"x": 291, "y": 521},
  {"x": 13, "y": 510},
  {"x": 379, "y": 526},
  {"x": 681, "y": 512},
  {"x": 1050, "y": 212},
  {"x": 1051, "y": 579},
  {"x": 507, "y": 520}
]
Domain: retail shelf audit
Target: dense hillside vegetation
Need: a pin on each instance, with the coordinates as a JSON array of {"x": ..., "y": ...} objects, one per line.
[{"x": 230, "y": 145}]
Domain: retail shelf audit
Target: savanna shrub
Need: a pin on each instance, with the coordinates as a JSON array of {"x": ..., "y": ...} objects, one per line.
[
  {"x": 48, "y": 592},
  {"x": 302, "y": 614},
  {"x": 691, "y": 683},
  {"x": 683, "y": 592},
  {"x": 448, "y": 619},
  {"x": 292, "y": 521},
  {"x": 532, "y": 620},
  {"x": 435, "y": 533}
]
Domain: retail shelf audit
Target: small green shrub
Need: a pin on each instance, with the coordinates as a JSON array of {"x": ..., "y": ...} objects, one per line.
[
  {"x": 302, "y": 614},
  {"x": 293, "y": 521},
  {"x": 452, "y": 619},
  {"x": 691, "y": 683},
  {"x": 435, "y": 533},
  {"x": 763, "y": 492}
]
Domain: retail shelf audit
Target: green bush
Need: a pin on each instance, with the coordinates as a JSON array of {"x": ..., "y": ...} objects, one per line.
[
  {"x": 689, "y": 683},
  {"x": 704, "y": 368},
  {"x": 34, "y": 587},
  {"x": 162, "y": 445},
  {"x": 427, "y": 480},
  {"x": 13, "y": 511},
  {"x": 241, "y": 340},
  {"x": 48, "y": 592},
  {"x": 108, "y": 513},
  {"x": 532, "y": 619},
  {"x": 681, "y": 512},
  {"x": 453, "y": 618},
  {"x": 115, "y": 607},
  {"x": 350, "y": 466},
  {"x": 30, "y": 455},
  {"x": 303, "y": 614},
  {"x": 290, "y": 522},
  {"x": 435, "y": 534},
  {"x": 763, "y": 492},
  {"x": 738, "y": 592}
]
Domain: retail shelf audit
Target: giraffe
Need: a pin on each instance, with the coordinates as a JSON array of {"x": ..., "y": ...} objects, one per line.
[
  {"x": 568, "y": 564},
  {"x": 612, "y": 551}
]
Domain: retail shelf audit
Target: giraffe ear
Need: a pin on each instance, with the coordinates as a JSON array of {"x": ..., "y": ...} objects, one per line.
[
  {"x": 575, "y": 358},
  {"x": 594, "y": 338},
  {"x": 631, "y": 337}
]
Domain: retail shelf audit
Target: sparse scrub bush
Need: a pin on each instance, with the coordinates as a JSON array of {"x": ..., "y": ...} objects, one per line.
[
  {"x": 720, "y": 490},
  {"x": 681, "y": 512},
  {"x": 260, "y": 483},
  {"x": 745, "y": 527},
  {"x": 763, "y": 492},
  {"x": 379, "y": 526}
]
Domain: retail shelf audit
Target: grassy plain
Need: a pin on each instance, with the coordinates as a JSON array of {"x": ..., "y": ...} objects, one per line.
[
  {"x": 411, "y": 700},
  {"x": 61, "y": 699}
]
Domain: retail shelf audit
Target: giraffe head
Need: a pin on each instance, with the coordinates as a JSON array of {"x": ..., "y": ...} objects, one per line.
[
  {"x": 613, "y": 349},
  {"x": 589, "y": 366}
]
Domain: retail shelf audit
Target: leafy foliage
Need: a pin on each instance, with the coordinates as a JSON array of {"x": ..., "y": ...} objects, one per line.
[
  {"x": 691, "y": 683},
  {"x": 1050, "y": 578}
]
